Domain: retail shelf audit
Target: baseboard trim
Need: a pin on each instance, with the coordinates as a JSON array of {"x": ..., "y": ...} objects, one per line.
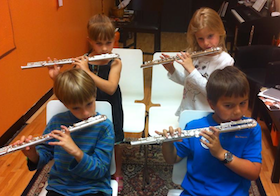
[
  {"x": 15, "y": 129},
  {"x": 260, "y": 187}
]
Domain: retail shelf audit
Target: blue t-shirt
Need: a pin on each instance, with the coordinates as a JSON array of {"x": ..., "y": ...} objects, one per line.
[{"x": 206, "y": 175}]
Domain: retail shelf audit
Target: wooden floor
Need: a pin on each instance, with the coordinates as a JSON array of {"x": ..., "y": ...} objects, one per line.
[{"x": 14, "y": 175}]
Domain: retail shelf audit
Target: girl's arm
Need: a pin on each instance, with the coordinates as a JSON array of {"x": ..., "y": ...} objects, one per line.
[
  {"x": 108, "y": 86},
  {"x": 186, "y": 62},
  {"x": 168, "y": 66},
  {"x": 53, "y": 70}
]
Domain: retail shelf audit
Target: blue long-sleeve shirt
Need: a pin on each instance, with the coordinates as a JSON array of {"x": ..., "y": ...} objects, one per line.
[{"x": 92, "y": 173}]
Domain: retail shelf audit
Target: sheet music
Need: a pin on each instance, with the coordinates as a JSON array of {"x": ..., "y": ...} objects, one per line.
[
  {"x": 258, "y": 5},
  {"x": 271, "y": 93}
]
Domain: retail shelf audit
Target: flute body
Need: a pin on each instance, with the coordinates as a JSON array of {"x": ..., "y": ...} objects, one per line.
[
  {"x": 171, "y": 59},
  {"x": 38, "y": 140},
  {"x": 223, "y": 127},
  {"x": 40, "y": 64}
]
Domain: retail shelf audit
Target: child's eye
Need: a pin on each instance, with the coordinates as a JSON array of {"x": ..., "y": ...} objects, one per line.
[
  {"x": 210, "y": 36},
  {"x": 228, "y": 105},
  {"x": 89, "y": 104}
]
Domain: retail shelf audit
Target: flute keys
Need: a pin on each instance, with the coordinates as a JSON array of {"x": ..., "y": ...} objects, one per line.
[
  {"x": 175, "y": 136},
  {"x": 14, "y": 146},
  {"x": 196, "y": 133}
]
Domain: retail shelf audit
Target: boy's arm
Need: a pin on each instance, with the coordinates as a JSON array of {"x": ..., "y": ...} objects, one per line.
[
  {"x": 30, "y": 152},
  {"x": 249, "y": 165},
  {"x": 245, "y": 168},
  {"x": 44, "y": 151},
  {"x": 241, "y": 166},
  {"x": 95, "y": 166},
  {"x": 170, "y": 153}
]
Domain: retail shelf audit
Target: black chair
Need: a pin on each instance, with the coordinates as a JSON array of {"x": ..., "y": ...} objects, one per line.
[
  {"x": 261, "y": 65},
  {"x": 147, "y": 19},
  {"x": 228, "y": 21}
]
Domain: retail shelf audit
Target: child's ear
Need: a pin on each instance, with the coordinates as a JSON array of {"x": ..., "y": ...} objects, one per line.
[
  {"x": 66, "y": 106},
  {"x": 212, "y": 105},
  {"x": 88, "y": 39}
]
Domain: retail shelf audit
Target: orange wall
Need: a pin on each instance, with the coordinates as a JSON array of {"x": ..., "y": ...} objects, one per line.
[{"x": 41, "y": 29}]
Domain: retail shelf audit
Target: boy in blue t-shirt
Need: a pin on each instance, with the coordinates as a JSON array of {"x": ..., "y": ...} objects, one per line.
[
  {"x": 219, "y": 164},
  {"x": 82, "y": 158}
]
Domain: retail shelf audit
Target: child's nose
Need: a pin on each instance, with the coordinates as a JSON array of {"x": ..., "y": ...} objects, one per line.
[
  {"x": 206, "y": 42},
  {"x": 86, "y": 113},
  {"x": 237, "y": 110},
  {"x": 104, "y": 48}
]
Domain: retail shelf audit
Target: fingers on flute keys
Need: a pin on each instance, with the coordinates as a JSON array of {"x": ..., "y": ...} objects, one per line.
[
  {"x": 22, "y": 141},
  {"x": 170, "y": 132}
]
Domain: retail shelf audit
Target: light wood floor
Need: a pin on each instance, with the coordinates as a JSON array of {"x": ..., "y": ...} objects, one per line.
[{"x": 14, "y": 175}]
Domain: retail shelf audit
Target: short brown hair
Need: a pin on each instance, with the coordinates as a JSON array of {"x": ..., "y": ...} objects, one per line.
[
  {"x": 227, "y": 82},
  {"x": 100, "y": 27},
  {"x": 74, "y": 86}
]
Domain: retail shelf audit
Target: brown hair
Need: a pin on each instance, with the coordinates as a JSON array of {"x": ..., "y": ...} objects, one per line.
[
  {"x": 202, "y": 18},
  {"x": 74, "y": 86},
  {"x": 100, "y": 27},
  {"x": 227, "y": 82}
]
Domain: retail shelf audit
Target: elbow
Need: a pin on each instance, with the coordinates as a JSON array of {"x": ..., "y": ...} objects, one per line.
[
  {"x": 253, "y": 177},
  {"x": 111, "y": 92},
  {"x": 169, "y": 160}
]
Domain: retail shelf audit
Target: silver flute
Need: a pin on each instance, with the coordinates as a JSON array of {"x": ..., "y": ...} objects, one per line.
[
  {"x": 38, "y": 140},
  {"x": 171, "y": 59},
  {"x": 223, "y": 127},
  {"x": 40, "y": 64}
]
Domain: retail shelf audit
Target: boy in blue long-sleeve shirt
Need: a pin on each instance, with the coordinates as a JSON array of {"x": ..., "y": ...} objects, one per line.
[{"x": 81, "y": 158}]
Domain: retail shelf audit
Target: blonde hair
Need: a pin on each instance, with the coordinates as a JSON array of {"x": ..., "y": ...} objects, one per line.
[
  {"x": 202, "y": 18},
  {"x": 74, "y": 86},
  {"x": 100, "y": 27}
]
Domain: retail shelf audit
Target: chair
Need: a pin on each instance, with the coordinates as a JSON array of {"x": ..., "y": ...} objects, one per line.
[
  {"x": 147, "y": 19},
  {"x": 180, "y": 169},
  {"x": 131, "y": 84},
  {"x": 258, "y": 63},
  {"x": 271, "y": 80},
  {"x": 166, "y": 93},
  {"x": 227, "y": 19},
  {"x": 103, "y": 107}
]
